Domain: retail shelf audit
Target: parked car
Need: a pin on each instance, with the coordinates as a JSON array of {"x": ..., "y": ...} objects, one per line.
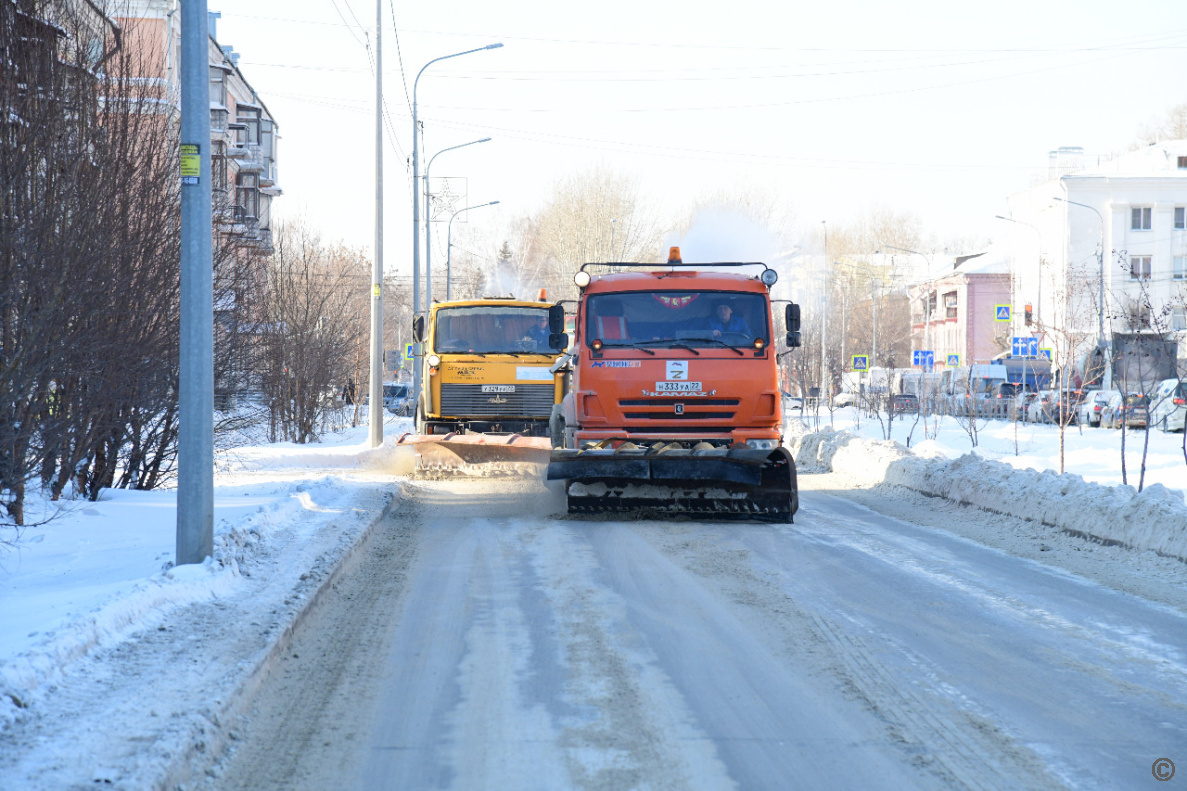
[
  {"x": 792, "y": 403},
  {"x": 1092, "y": 405},
  {"x": 1168, "y": 408},
  {"x": 1110, "y": 413},
  {"x": 1039, "y": 409},
  {"x": 904, "y": 403},
  {"x": 1134, "y": 412},
  {"x": 1066, "y": 406},
  {"x": 1020, "y": 403},
  {"x": 844, "y": 399},
  {"x": 397, "y": 398}
]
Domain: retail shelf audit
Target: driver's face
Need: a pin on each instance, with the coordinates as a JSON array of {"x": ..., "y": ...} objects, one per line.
[
  {"x": 723, "y": 312},
  {"x": 542, "y": 322}
]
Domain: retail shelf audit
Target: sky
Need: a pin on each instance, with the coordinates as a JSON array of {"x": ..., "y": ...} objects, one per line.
[{"x": 941, "y": 109}]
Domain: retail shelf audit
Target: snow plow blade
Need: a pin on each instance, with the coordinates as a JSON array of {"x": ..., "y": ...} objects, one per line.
[
  {"x": 476, "y": 455},
  {"x": 725, "y": 483}
]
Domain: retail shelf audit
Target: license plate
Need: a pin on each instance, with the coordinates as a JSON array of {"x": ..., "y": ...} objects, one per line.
[
  {"x": 678, "y": 387},
  {"x": 498, "y": 388}
]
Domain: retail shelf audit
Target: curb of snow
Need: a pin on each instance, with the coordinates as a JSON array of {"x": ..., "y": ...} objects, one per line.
[{"x": 1155, "y": 519}]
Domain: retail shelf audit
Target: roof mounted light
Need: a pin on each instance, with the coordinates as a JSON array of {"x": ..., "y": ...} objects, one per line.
[
  {"x": 581, "y": 279},
  {"x": 674, "y": 256},
  {"x": 768, "y": 277},
  {"x": 597, "y": 345}
]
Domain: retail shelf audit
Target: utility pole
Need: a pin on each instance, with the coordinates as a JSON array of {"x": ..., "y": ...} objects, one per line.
[
  {"x": 375, "y": 400},
  {"x": 824, "y": 319},
  {"x": 195, "y": 455}
]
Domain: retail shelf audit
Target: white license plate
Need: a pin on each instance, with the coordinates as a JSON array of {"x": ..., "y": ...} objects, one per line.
[
  {"x": 678, "y": 387},
  {"x": 498, "y": 388}
]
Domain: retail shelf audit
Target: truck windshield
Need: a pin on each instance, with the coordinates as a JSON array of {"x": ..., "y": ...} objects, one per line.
[
  {"x": 492, "y": 329},
  {"x": 690, "y": 318}
]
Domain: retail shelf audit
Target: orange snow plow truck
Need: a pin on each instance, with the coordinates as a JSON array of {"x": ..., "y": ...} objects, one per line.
[{"x": 674, "y": 404}]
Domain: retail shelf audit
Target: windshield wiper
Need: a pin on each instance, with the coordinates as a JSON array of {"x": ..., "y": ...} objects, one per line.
[
  {"x": 674, "y": 344},
  {"x": 626, "y": 346},
  {"x": 736, "y": 349}
]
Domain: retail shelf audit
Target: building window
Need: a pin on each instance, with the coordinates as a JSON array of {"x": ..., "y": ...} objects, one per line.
[
  {"x": 1178, "y": 319},
  {"x": 1181, "y": 218},
  {"x": 1140, "y": 218},
  {"x": 1183, "y": 162},
  {"x": 1139, "y": 267},
  {"x": 247, "y": 196},
  {"x": 950, "y": 305},
  {"x": 1179, "y": 268}
]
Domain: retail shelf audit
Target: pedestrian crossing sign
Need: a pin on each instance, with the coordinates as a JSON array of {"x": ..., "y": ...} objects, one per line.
[
  {"x": 953, "y": 360},
  {"x": 861, "y": 362},
  {"x": 1046, "y": 354},
  {"x": 407, "y": 352},
  {"x": 1001, "y": 312}
]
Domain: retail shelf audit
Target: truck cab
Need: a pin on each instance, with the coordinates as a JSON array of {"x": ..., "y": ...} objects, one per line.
[
  {"x": 486, "y": 368},
  {"x": 683, "y": 355}
]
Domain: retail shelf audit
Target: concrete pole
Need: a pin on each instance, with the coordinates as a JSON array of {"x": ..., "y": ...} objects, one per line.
[
  {"x": 375, "y": 401},
  {"x": 824, "y": 318},
  {"x": 195, "y": 462}
]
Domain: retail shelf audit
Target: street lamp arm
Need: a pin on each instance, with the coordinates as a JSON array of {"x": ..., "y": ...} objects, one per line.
[
  {"x": 449, "y": 244},
  {"x": 447, "y": 57},
  {"x": 429, "y": 166}
]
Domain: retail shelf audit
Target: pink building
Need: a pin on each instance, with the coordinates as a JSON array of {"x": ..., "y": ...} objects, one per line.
[{"x": 956, "y": 314}]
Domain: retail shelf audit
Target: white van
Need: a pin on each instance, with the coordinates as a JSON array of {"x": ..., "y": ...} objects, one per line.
[{"x": 1168, "y": 407}]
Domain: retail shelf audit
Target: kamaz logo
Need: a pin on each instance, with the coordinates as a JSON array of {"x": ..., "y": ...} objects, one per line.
[
  {"x": 679, "y": 409},
  {"x": 496, "y": 400}
]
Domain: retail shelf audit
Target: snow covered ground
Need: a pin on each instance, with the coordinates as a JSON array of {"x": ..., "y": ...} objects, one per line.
[
  {"x": 1092, "y": 453},
  {"x": 99, "y": 572}
]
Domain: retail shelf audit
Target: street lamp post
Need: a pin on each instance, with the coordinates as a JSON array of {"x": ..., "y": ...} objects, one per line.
[
  {"x": 429, "y": 221},
  {"x": 449, "y": 243},
  {"x": 416, "y": 379},
  {"x": 1103, "y": 343}
]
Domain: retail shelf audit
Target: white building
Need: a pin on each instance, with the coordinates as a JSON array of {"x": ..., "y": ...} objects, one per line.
[{"x": 1112, "y": 231}]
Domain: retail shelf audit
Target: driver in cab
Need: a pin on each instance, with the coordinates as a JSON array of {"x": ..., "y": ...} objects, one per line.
[
  {"x": 538, "y": 332},
  {"x": 724, "y": 320}
]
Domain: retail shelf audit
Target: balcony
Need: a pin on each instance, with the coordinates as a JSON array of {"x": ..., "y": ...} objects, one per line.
[{"x": 251, "y": 158}]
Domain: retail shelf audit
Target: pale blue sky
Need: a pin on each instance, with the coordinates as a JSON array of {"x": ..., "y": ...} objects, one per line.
[{"x": 937, "y": 107}]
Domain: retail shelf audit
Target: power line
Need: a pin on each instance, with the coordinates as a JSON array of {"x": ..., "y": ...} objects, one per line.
[{"x": 400, "y": 55}]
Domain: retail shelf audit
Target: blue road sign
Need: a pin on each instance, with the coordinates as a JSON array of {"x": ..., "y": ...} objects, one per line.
[
  {"x": 1024, "y": 346},
  {"x": 1001, "y": 312},
  {"x": 861, "y": 362},
  {"x": 407, "y": 352},
  {"x": 953, "y": 360},
  {"x": 924, "y": 358},
  {"x": 1045, "y": 354}
]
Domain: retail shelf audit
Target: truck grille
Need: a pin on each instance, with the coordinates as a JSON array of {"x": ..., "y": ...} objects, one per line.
[
  {"x": 459, "y": 400},
  {"x": 671, "y": 416}
]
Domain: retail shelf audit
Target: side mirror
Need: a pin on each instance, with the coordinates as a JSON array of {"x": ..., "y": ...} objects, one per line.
[
  {"x": 558, "y": 341},
  {"x": 418, "y": 329},
  {"x": 793, "y": 340},
  {"x": 556, "y": 320},
  {"x": 791, "y": 318}
]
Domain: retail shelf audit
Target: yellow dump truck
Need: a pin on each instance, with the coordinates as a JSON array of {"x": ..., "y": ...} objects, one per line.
[{"x": 486, "y": 369}]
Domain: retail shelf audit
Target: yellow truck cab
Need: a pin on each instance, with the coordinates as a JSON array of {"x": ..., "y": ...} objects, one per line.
[{"x": 486, "y": 368}]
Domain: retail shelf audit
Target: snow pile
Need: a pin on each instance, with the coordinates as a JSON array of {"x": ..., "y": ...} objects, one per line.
[
  {"x": 103, "y": 571},
  {"x": 1155, "y": 519}
]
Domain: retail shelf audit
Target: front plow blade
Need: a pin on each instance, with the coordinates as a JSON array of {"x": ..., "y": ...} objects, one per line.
[
  {"x": 477, "y": 455},
  {"x": 738, "y": 483}
]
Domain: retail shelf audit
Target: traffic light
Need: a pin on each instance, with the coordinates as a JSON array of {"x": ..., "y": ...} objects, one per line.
[{"x": 1028, "y": 314}]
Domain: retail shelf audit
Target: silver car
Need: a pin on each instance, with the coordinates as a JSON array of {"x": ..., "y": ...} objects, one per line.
[
  {"x": 1094, "y": 403},
  {"x": 1168, "y": 406}
]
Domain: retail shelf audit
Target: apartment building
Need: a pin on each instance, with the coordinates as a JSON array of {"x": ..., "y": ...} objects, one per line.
[
  {"x": 955, "y": 313},
  {"x": 1099, "y": 249},
  {"x": 243, "y": 133}
]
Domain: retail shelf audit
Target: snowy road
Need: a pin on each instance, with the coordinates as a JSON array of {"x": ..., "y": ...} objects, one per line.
[{"x": 483, "y": 642}]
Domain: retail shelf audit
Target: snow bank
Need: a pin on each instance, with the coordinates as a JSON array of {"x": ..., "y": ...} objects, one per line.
[
  {"x": 1155, "y": 519},
  {"x": 102, "y": 571}
]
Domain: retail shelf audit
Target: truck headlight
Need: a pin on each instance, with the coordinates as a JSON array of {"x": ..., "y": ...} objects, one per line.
[
  {"x": 768, "y": 277},
  {"x": 581, "y": 279},
  {"x": 762, "y": 444},
  {"x": 433, "y": 361}
]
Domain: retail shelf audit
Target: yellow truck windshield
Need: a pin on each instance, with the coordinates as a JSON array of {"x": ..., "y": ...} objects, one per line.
[{"x": 492, "y": 329}]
